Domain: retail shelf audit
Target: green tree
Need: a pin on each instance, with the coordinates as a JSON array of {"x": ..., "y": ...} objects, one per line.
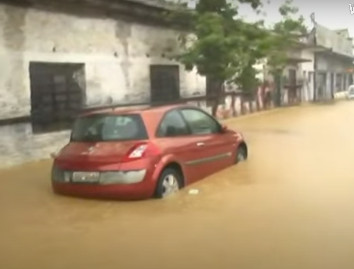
[
  {"x": 256, "y": 49},
  {"x": 272, "y": 44},
  {"x": 221, "y": 45}
]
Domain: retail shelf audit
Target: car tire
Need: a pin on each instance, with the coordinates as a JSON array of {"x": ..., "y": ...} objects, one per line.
[
  {"x": 241, "y": 154},
  {"x": 170, "y": 182}
]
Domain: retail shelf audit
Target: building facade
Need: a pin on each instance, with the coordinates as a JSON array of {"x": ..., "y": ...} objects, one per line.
[
  {"x": 333, "y": 61},
  {"x": 59, "y": 58},
  {"x": 320, "y": 66},
  {"x": 295, "y": 85}
]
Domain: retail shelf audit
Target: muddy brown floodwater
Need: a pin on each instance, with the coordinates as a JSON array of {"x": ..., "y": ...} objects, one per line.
[{"x": 290, "y": 206}]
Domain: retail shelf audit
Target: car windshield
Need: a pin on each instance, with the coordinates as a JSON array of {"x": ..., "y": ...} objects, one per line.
[{"x": 101, "y": 127}]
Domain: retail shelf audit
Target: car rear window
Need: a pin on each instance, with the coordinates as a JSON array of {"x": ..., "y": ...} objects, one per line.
[{"x": 102, "y": 127}]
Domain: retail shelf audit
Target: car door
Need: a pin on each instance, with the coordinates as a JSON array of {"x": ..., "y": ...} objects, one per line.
[
  {"x": 215, "y": 148},
  {"x": 175, "y": 139}
]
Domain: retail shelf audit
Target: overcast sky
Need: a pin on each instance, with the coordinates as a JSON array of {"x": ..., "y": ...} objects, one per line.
[{"x": 334, "y": 14}]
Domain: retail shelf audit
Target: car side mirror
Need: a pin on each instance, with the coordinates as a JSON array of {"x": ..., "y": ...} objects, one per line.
[{"x": 224, "y": 129}]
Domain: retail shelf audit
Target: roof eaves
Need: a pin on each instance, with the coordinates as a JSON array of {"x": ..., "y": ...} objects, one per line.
[{"x": 161, "y": 4}]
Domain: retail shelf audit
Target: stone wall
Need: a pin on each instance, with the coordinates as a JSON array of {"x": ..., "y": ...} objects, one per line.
[{"x": 18, "y": 145}]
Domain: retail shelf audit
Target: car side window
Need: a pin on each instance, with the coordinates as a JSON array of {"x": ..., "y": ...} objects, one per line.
[
  {"x": 172, "y": 125},
  {"x": 200, "y": 123}
]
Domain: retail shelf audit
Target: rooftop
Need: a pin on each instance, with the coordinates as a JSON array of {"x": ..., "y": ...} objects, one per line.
[
  {"x": 153, "y": 3},
  {"x": 336, "y": 40},
  {"x": 143, "y": 10}
]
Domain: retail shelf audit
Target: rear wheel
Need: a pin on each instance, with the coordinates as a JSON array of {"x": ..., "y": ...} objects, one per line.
[
  {"x": 241, "y": 154},
  {"x": 169, "y": 183}
]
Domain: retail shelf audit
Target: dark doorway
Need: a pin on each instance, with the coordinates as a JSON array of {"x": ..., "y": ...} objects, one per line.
[
  {"x": 332, "y": 85},
  {"x": 57, "y": 95},
  {"x": 338, "y": 83},
  {"x": 344, "y": 82},
  {"x": 292, "y": 86},
  {"x": 164, "y": 81},
  {"x": 321, "y": 84},
  {"x": 292, "y": 77}
]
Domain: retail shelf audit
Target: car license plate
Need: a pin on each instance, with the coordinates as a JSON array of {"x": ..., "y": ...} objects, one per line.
[{"x": 86, "y": 177}]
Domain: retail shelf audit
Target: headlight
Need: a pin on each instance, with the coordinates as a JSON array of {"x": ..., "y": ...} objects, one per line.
[{"x": 122, "y": 177}]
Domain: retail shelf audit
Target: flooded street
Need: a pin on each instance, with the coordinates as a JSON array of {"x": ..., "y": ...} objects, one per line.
[{"x": 290, "y": 206}]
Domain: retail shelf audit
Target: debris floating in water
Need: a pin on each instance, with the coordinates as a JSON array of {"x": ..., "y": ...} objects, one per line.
[{"x": 193, "y": 191}]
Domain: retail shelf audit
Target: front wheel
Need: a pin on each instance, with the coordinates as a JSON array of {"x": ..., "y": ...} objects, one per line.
[{"x": 169, "y": 183}]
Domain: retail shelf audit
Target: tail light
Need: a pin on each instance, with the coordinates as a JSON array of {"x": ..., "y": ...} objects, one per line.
[{"x": 140, "y": 151}]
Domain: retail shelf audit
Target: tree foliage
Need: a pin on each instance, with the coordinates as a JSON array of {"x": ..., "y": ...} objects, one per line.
[
  {"x": 224, "y": 48},
  {"x": 284, "y": 36},
  {"x": 220, "y": 42}
]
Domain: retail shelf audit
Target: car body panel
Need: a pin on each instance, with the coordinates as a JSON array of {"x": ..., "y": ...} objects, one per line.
[
  {"x": 94, "y": 156},
  {"x": 209, "y": 157},
  {"x": 143, "y": 190}
]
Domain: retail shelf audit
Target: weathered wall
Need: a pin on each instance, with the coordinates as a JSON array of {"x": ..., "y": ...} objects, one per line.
[
  {"x": 116, "y": 55},
  {"x": 309, "y": 55},
  {"x": 341, "y": 44},
  {"x": 18, "y": 145},
  {"x": 331, "y": 63}
]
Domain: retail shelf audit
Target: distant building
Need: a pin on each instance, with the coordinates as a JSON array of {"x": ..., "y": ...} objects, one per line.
[
  {"x": 298, "y": 72},
  {"x": 333, "y": 61},
  {"x": 299, "y": 69},
  {"x": 320, "y": 66}
]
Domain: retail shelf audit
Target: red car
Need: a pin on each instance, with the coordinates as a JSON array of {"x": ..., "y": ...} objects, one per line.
[{"x": 141, "y": 153}]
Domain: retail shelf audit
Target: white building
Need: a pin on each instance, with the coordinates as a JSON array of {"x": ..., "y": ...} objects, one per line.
[
  {"x": 59, "y": 56},
  {"x": 333, "y": 61}
]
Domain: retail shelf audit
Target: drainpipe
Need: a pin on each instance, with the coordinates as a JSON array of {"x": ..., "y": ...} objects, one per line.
[
  {"x": 313, "y": 19},
  {"x": 315, "y": 77}
]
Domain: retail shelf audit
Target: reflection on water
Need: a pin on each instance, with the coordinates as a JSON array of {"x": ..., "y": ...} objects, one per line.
[{"x": 289, "y": 206}]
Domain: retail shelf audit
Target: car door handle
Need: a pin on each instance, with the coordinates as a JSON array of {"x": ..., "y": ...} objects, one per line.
[{"x": 200, "y": 144}]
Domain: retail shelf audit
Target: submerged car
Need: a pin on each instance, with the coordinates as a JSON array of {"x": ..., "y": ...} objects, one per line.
[{"x": 143, "y": 153}]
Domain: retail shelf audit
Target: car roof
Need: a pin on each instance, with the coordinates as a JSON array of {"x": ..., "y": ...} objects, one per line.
[{"x": 135, "y": 109}]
